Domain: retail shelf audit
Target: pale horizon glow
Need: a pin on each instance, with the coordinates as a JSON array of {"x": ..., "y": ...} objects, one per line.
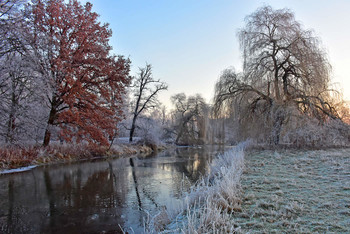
[{"x": 190, "y": 42}]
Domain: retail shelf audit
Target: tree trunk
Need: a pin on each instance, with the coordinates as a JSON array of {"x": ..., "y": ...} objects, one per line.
[
  {"x": 178, "y": 136},
  {"x": 277, "y": 126},
  {"x": 12, "y": 118},
  {"x": 277, "y": 89},
  {"x": 50, "y": 123},
  {"x": 10, "y": 128},
  {"x": 181, "y": 132},
  {"x": 132, "y": 129},
  {"x": 276, "y": 70},
  {"x": 285, "y": 86}
]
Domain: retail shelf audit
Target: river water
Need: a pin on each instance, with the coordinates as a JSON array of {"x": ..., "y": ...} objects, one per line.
[{"x": 97, "y": 196}]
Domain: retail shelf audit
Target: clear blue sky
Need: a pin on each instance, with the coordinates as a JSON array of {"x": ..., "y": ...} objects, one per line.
[{"x": 189, "y": 42}]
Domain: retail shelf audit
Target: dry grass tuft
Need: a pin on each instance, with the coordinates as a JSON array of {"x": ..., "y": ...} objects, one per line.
[{"x": 12, "y": 157}]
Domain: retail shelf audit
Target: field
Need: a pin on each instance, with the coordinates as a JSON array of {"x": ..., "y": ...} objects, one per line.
[
  {"x": 296, "y": 191},
  {"x": 285, "y": 191}
]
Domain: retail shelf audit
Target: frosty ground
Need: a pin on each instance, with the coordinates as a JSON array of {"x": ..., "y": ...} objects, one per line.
[
  {"x": 285, "y": 191},
  {"x": 296, "y": 191}
]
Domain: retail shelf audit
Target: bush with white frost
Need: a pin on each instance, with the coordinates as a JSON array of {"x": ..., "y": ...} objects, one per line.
[
  {"x": 209, "y": 205},
  {"x": 149, "y": 130},
  {"x": 310, "y": 133}
]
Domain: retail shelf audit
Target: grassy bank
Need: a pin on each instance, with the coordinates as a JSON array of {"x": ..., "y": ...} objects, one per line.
[
  {"x": 12, "y": 157},
  {"x": 296, "y": 191},
  {"x": 266, "y": 191},
  {"x": 208, "y": 206}
]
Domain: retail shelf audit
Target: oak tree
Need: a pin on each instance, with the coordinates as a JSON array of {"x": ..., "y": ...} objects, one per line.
[{"x": 84, "y": 82}]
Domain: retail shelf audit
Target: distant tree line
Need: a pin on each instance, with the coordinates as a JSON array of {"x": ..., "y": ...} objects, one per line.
[{"x": 60, "y": 81}]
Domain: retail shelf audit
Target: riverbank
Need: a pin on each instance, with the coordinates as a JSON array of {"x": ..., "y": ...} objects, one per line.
[
  {"x": 208, "y": 206},
  {"x": 280, "y": 147},
  {"x": 270, "y": 191},
  {"x": 15, "y": 157}
]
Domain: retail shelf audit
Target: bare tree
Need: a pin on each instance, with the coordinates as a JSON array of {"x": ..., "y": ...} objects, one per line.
[
  {"x": 145, "y": 90},
  {"x": 21, "y": 108},
  {"x": 284, "y": 69},
  {"x": 191, "y": 115},
  {"x": 7, "y": 7},
  {"x": 13, "y": 92},
  {"x": 11, "y": 26}
]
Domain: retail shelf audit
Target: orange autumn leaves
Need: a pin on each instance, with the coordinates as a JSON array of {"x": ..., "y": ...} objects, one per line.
[{"x": 87, "y": 81}]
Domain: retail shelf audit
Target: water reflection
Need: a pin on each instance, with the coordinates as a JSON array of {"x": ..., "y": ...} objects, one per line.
[{"x": 102, "y": 195}]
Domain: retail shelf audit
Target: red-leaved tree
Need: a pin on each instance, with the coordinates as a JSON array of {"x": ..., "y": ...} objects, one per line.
[{"x": 83, "y": 81}]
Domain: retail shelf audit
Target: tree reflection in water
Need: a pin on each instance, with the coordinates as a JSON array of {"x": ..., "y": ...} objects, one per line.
[
  {"x": 135, "y": 182},
  {"x": 99, "y": 195}
]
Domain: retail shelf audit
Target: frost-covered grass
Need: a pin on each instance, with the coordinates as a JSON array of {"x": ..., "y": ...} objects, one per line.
[
  {"x": 266, "y": 191},
  {"x": 21, "y": 156},
  {"x": 296, "y": 192},
  {"x": 209, "y": 205},
  {"x": 14, "y": 157}
]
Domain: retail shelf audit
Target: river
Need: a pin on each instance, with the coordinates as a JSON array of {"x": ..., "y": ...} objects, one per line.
[{"x": 101, "y": 195}]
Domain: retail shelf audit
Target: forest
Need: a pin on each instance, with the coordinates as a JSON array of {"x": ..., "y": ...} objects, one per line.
[{"x": 65, "y": 96}]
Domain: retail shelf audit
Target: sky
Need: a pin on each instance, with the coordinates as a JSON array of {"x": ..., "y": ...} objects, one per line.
[{"x": 190, "y": 42}]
